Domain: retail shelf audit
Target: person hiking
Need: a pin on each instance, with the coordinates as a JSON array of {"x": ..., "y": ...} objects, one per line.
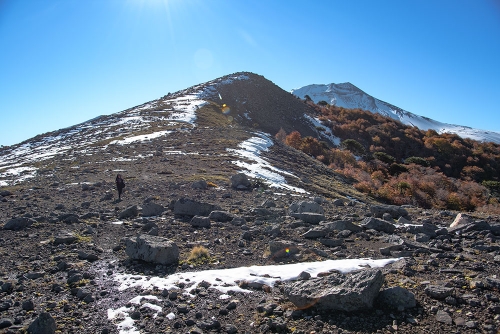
[{"x": 120, "y": 184}]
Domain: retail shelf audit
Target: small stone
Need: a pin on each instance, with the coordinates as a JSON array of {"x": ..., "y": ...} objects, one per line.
[{"x": 444, "y": 317}]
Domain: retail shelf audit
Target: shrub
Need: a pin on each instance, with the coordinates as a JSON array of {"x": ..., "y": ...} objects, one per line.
[
  {"x": 294, "y": 140},
  {"x": 492, "y": 185},
  {"x": 199, "y": 255},
  {"x": 384, "y": 157},
  {"x": 418, "y": 161},
  {"x": 281, "y": 135},
  {"x": 354, "y": 146},
  {"x": 396, "y": 169},
  {"x": 322, "y": 103},
  {"x": 403, "y": 187},
  {"x": 311, "y": 146}
]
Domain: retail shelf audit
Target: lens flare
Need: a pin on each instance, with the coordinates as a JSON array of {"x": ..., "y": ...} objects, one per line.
[{"x": 225, "y": 109}]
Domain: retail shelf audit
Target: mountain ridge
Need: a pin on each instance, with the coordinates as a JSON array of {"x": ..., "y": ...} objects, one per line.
[{"x": 349, "y": 96}]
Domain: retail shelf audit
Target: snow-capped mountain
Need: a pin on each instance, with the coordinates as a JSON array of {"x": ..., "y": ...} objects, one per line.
[{"x": 347, "y": 95}]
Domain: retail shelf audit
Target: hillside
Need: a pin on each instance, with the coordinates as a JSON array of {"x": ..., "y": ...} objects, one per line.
[{"x": 223, "y": 229}]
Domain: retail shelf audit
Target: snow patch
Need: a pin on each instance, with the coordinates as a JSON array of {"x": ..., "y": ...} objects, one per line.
[{"x": 250, "y": 149}]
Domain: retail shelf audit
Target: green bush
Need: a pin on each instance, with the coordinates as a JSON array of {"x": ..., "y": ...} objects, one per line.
[
  {"x": 492, "y": 185},
  {"x": 418, "y": 161},
  {"x": 384, "y": 157},
  {"x": 354, "y": 146},
  {"x": 396, "y": 169}
]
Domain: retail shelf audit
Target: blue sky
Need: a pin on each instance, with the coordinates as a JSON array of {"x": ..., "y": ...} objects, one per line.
[{"x": 63, "y": 62}]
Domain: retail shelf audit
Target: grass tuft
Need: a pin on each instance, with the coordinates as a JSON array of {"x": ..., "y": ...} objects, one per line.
[{"x": 198, "y": 255}]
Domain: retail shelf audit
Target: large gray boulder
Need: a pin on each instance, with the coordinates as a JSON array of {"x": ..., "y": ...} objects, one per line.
[
  {"x": 425, "y": 228},
  {"x": 240, "y": 182},
  {"x": 396, "y": 298},
  {"x": 314, "y": 233},
  {"x": 64, "y": 237},
  {"x": 464, "y": 223},
  {"x": 152, "y": 249},
  {"x": 17, "y": 224},
  {"x": 199, "y": 221},
  {"x": 371, "y": 223},
  {"x": 394, "y": 210},
  {"x": 130, "y": 212},
  {"x": 305, "y": 206},
  {"x": 342, "y": 225},
  {"x": 308, "y": 211},
  {"x": 152, "y": 209},
  {"x": 348, "y": 293},
  {"x": 188, "y": 207},
  {"x": 43, "y": 324},
  {"x": 221, "y": 216}
]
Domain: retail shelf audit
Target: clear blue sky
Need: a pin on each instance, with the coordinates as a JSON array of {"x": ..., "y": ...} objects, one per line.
[{"x": 63, "y": 62}]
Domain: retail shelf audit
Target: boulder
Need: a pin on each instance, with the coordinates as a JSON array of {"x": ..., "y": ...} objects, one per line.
[
  {"x": 152, "y": 209},
  {"x": 188, "y": 207},
  {"x": 396, "y": 298},
  {"x": 331, "y": 242},
  {"x": 338, "y": 202},
  {"x": 202, "y": 184},
  {"x": 403, "y": 221},
  {"x": 152, "y": 249},
  {"x": 43, "y": 324},
  {"x": 394, "y": 210},
  {"x": 221, "y": 216},
  {"x": 308, "y": 217},
  {"x": 282, "y": 248},
  {"x": 64, "y": 237},
  {"x": 347, "y": 293},
  {"x": 305, "y": 206},
  {"x": 238, "y": 221},
  {"x": 426, "y": 228},
  {"x": 130, "y": 212},
  {"x": 438, "y": 291},
  {"x": 5, "y": 193},
  {"x": 18, "y": 224},
  {"x": 460, "y": 220},
  {"x": 314, "y": 233},
  {"x": 199, "y": 221},
  {"x": 371, "y": 223},
  {"x": 240, "y": 182},
  {"x": 469, "y": 226},
  {"x": 342, "y": 225},
  {"x": 69, "y": 218}
]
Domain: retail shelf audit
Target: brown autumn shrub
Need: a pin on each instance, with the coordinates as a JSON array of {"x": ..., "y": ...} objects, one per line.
[
  {"x": 281, "y": 135},
  {"x": 294, "y": 139}
]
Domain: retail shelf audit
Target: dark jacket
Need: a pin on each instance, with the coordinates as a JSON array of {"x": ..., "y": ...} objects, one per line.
[{"x": 120, "y": 184}]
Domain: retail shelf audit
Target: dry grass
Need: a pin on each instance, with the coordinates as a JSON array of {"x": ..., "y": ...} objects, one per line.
[{"x": 199, "y": 255}]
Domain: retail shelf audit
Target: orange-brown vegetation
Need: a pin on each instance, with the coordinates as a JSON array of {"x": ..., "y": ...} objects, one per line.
[{"x": 399, "y": 164}]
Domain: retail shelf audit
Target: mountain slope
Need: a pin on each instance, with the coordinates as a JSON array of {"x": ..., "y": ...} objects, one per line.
[
  {"x": 67, "y": 243},
  {"x": 215, "y": 118},
  {"x": 347, "y": 95}
]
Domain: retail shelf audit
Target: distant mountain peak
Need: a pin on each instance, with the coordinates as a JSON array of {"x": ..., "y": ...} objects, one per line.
[{"x": 349, "y": 96}]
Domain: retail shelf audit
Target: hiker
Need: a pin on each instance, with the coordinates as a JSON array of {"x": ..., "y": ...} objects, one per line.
[{"x": 120, "y": 184}]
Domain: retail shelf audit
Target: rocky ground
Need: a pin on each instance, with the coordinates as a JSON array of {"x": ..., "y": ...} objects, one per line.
[
  {"x": 61, "y": 257},
  {"x": 64, "y": 237}
]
